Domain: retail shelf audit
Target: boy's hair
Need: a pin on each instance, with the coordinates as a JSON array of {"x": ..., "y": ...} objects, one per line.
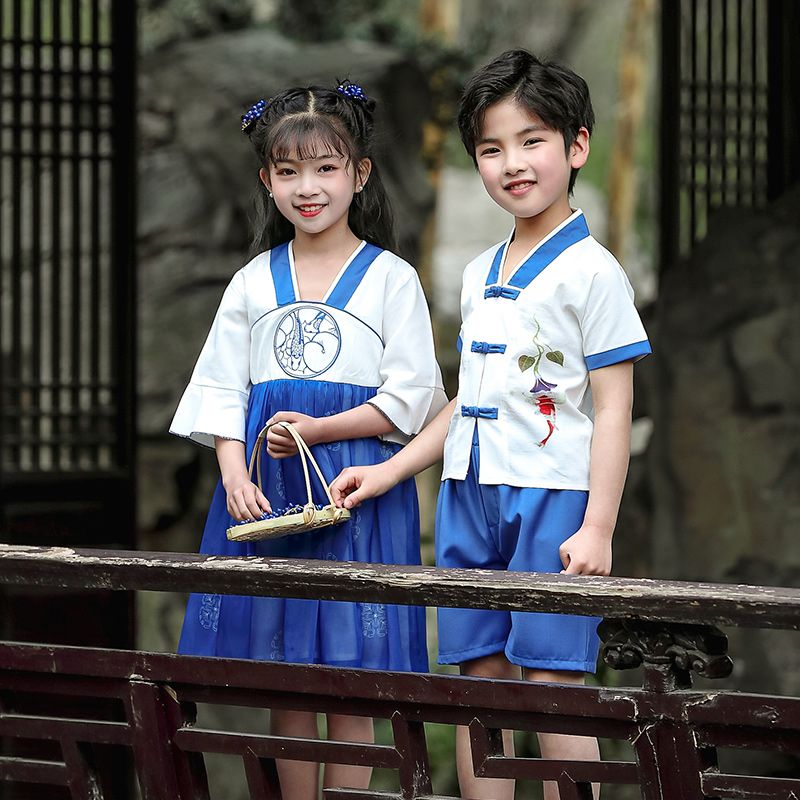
[
  {"x": 558, "y": 96},
  {"x": 306, "y": 122}
]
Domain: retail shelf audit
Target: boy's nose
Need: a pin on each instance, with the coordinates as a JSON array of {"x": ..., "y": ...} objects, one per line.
[{"x": 513, "y": 165}]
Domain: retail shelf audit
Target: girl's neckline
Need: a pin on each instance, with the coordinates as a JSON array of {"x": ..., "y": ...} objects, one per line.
[
  {"x": 333, "y": 284},
  {"x": 524, "y": 260}
]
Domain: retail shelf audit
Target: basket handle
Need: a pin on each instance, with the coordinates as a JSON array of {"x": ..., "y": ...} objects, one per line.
[{"x": 303, "y": 450}]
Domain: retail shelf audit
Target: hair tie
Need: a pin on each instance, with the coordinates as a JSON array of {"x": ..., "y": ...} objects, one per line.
[
  {"x": 352, "y": 90},
  {"x": 253, "y": 113}
]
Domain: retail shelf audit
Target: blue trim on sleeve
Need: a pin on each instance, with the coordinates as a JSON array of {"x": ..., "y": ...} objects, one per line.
[
  {"x": 459, "y": 343},
  {"x": 628, "y": 352},
  {"x": 281, "y": 274},
  {"x": 349, "y": 282}
]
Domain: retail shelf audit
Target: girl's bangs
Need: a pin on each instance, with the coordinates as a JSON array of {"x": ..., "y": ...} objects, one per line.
[{"x": 303, "y": 137}]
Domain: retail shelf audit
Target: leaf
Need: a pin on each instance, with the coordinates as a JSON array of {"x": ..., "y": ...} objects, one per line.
[
  {"x": 556, "y": 356},
  {"x": 526, "y": 362}
]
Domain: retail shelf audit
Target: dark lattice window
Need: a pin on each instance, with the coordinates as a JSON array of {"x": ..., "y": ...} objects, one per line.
[
  {"x": 66, "y": 239},
  {"x": 727, "y": 88}
]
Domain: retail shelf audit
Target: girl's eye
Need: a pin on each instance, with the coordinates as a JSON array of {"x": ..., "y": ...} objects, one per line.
[
  {"x": 327, "y": 168},
  {"x": 284, "y": 171}
]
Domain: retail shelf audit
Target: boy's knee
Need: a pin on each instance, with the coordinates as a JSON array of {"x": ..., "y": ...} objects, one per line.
[
  {"x": 554, "y": 676},
  {"x": 495, "y": 665}
]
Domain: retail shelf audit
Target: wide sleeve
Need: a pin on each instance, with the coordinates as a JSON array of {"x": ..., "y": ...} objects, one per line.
[
  {"x": 411, "y": 391},
  {"x": 215, "y": 401},
  {"x": 611, "y": 328}
]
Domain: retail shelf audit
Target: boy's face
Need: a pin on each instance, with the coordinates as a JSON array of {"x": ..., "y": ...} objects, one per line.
[{"x": 523, "y": 164}]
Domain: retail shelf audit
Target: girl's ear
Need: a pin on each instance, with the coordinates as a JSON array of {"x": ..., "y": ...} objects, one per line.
[
  {"x": 263, "y": 175},
  {"x": 579, "y": 149},
  {"x": 362, "y": 173}
]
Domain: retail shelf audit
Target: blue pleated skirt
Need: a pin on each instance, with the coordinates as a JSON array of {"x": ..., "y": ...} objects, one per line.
[{"x": 381, "y": 531}]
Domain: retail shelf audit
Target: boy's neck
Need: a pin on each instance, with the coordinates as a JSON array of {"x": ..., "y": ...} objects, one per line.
[{"x": 529, "y": 231}]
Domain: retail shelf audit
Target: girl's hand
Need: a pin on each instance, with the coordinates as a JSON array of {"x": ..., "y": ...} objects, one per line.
[
  {"x": 587, "y": 552},
  {"x": 280, "y": 443},
  {"x": 245, "y": 500},
  {"x": 356, "y": 484}
]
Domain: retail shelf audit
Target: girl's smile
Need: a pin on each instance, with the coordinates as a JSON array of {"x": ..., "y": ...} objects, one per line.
[{"x": 313, "y": 193}]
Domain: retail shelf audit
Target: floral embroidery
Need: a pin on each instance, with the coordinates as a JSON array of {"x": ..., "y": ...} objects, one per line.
[
  {"x": 373, "y": 620},
  {"x": 388, "y": 450},
  {"x": 542, "y": 393},
  {"x": 276, "y": 647},
  {"x": 280, "y": 486},
  {"x": 209, "y": 611}
]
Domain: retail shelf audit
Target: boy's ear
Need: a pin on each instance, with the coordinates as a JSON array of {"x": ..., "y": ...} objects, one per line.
[
  {"x": 579, "y": 149},
  {"x": 363, "y": 173},
  {"x": 263, "y": 175}
]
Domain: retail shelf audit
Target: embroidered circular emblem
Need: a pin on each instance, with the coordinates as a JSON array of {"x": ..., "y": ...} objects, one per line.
[{"x": 307, "y": 342}]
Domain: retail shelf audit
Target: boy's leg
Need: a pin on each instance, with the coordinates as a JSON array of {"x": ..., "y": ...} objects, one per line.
[
  {"x": 299, "y": 779},
  {"x": 343, "y": 728},
  {"x": 472, "y": 788},
  {"x": 560, "y": 746}
]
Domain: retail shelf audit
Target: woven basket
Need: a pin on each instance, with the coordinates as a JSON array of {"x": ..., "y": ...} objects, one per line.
[{"x": 298, "y": 518}]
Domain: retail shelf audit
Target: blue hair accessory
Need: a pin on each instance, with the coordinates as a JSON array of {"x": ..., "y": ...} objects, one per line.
[
  {"x": 352, "y": 90},
  {"x": 253, "y": 113}
]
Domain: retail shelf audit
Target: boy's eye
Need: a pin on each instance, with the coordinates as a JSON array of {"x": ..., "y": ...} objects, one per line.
[
  {"x": 533, "y": 141},
  {"x": 488, "y": 151}
]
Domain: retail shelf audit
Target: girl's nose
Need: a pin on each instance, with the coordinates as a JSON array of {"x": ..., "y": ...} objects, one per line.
[{"x": 308, "y": 186}]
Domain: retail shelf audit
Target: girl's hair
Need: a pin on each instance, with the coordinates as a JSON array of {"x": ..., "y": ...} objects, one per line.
[{"x": 305, "y": 123}]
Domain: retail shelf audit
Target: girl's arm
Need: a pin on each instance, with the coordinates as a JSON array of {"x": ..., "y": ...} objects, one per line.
[
  {"x": 244, "y": 498},
  {"x": 356, "y": 484},
  {"x": 357, "y": 423},
  {"x": 588, "y": 551}
]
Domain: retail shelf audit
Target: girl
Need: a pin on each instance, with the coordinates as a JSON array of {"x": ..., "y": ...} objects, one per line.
[{"x": 328, "y": 330}]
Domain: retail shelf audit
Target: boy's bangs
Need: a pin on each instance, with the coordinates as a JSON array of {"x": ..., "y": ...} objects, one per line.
[{"x": 303, "y": 137}]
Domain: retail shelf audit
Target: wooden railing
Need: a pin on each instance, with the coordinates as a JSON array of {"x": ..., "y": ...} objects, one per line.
[{"x": 666, "y": 628}]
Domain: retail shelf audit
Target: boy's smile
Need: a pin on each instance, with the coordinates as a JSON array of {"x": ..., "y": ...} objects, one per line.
[{"x": 524, "y": 164}]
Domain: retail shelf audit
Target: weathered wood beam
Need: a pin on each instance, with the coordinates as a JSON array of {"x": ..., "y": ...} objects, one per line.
[{"x": 632, "y": 598}]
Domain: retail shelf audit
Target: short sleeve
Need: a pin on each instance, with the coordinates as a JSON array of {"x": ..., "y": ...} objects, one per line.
[
  {"x": 610, "y": 325},
  {"x": 411, "y": 392},
  {"x": 215, "y": 401}
]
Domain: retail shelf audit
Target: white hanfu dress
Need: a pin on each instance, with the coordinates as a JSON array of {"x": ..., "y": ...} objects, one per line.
[{"x": 368, "y": 341}]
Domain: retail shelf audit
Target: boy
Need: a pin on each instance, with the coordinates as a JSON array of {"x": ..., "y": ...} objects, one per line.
[{"x": 536, "y": 444}]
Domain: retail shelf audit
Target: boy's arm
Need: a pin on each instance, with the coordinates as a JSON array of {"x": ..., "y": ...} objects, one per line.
[
  {"x": 588, "y": 551},
  {"x": 355, "y": 484}
]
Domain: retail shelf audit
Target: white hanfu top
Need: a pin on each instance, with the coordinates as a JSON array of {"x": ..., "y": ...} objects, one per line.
[
  {"x": 371, "y": 329},
  {"x": 526, "y": 351}
]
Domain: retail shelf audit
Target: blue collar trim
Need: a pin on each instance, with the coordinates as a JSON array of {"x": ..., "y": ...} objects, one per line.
[
  {"x": 543, "y": 256},
  {"x": 281, "y": 274},
  {"x": 349, "y": 282}
]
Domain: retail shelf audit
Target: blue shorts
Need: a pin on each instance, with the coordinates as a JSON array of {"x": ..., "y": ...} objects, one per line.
[{"x": 517, "y": 529}]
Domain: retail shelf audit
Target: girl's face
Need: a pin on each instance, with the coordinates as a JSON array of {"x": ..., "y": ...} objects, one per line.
[
  {"x": 315, "y": 194},
  {"x": 523, "y": 163}
]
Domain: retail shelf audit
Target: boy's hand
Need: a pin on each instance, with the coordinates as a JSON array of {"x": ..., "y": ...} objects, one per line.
[
  {"x": 245, "y": 500},
  {"x": 587, "y": 552},
  {"x": 280, "y": 443},
  {"x": 356, "y": 484}
]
